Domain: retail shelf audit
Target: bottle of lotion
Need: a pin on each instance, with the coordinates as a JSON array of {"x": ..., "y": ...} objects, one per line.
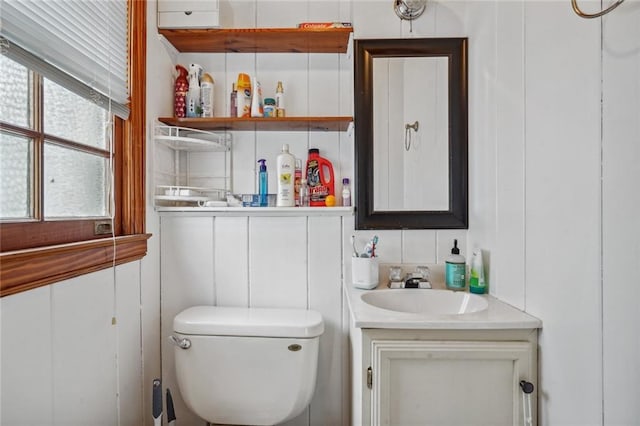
[
  {"x": 476, "y": 279},
  {"x": 286, "y": 164},
  {"x": 455, "y": 269}
]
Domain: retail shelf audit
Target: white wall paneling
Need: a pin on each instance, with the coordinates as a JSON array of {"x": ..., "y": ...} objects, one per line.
[
  {"x": 563, "y": 209},
  {"x": 26, "y": 358},
  {"x": 128, "y": 326},
  {"x": 64, "y": 360},
  {"x": 621, "y": 222},
  {"x": 187, "y": 279}
]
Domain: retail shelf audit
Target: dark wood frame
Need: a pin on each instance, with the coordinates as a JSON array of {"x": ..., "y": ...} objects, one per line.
[{"x": 455, "y": 49}]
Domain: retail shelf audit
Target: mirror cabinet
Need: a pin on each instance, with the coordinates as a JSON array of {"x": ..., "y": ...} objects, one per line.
[{"x": 411, "y": 142}]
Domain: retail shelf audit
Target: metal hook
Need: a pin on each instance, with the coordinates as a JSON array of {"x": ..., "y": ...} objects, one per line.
[
  {"x": 407, "y": 134},
  {"x": 580, "y": 13},
  {"x": 413, "y": 126}
]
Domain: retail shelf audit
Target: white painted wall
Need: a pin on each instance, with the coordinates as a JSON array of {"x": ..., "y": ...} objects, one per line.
[{"x": 554, "y": 153}]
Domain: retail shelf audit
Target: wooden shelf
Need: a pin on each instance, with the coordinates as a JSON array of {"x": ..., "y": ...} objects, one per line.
[
  {"x": 318, "y": 124},
  {"x": 259, "y": 40}
]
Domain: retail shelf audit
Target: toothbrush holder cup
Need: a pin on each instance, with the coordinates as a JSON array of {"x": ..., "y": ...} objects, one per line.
[{"x": 364, "y": 272}]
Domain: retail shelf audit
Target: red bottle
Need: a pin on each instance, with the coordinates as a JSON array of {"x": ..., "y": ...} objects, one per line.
[
  {"x": 181, "y": 88},
  {"x": 319, "y": 178}
]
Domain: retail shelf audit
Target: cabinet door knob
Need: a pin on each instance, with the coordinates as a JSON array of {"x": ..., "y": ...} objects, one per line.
[{"x": 527, "y": 387}]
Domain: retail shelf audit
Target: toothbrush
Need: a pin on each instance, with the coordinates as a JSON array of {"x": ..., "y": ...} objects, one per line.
[
  {"x": 353, "y": 245},
  {"x": 369, "y": 249}
]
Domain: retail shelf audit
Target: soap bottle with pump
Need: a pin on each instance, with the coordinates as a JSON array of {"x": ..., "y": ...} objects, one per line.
[
  {"x": 263, "y": 182},
  {"x": 455, "y": 269},
  {"x": 476, "y": 276},
  {"x": 286, "y": 164}
]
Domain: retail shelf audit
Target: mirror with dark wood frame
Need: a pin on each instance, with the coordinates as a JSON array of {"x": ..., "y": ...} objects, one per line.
[{"x": 369, "y": 175}]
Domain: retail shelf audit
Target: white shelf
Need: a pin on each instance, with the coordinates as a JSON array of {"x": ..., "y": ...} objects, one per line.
[
  {"x": 258, "y": 211},
  {"x": 189, "y": 139}
]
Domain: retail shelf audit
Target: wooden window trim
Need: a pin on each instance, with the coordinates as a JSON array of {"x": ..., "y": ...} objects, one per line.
[{"x": 22, "y": 270}]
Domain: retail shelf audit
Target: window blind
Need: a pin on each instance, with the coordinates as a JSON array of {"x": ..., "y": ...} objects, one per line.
[{"x": 82, "y": 39}]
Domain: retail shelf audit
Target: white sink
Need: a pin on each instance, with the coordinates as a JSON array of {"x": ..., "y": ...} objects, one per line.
[{"x": 419, "y": 301}]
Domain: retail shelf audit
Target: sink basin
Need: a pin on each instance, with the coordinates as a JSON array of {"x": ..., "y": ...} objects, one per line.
[{"x": 433, "y": 302}]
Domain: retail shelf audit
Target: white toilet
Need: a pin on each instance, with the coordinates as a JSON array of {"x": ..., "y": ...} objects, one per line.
[{"x": 246, "y": 366}]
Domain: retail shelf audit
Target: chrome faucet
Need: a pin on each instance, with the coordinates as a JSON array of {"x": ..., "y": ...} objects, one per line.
[{"x": 417, "y": 279}]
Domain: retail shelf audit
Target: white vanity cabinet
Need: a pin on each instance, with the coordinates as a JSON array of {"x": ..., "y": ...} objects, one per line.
[{"x": 442, "y": 377}]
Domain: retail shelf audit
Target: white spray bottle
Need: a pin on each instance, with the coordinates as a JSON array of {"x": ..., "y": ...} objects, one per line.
[{"x": 193, "y": 95}]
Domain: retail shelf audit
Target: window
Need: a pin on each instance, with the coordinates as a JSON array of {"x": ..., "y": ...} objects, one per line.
[
  {"x": 59, "y": 137},
  {"x": 59, "y": 183}
]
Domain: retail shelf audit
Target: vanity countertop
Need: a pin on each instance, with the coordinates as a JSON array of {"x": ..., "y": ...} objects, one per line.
[{"x": 498, "y": 315}]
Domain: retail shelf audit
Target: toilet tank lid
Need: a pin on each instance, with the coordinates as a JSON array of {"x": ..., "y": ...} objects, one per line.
[{"x": 257, "y": 322}]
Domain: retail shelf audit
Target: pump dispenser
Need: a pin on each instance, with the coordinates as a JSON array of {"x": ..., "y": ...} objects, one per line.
[
  {"x": 263, "y": 182},
  {"x": 455, "y": 269}
]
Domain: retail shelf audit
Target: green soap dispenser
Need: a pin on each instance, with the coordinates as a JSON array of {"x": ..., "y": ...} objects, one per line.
[{"x": 455, "y": 269}]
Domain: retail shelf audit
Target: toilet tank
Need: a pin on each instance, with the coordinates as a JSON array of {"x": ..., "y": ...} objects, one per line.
[{"x": 253, "y": 366}]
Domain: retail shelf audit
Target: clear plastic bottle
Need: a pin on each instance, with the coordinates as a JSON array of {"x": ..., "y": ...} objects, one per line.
[
  {"x": 303, "y": 193},
  {"x": 233, "y": 109},
  {"x": 280, "y": 109},
  {"x": 298, "y": 180},
  {"x": 346, "y": 193}
]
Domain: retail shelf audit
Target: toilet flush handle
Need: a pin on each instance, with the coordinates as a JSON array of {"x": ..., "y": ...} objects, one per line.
[{"x": 181, "y": 343}]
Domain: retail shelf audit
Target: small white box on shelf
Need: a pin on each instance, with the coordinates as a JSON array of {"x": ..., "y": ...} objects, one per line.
[{"x": 188, "y": 14}]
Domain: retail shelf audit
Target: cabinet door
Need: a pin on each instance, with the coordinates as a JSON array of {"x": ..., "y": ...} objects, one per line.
[{"x": 449, "y": 382}]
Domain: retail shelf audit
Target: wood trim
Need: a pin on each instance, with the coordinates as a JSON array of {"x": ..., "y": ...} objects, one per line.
[
  {"x": 33, "y": 234},
  {"x": 28, "y": 269},
  {"x": 133, "y": 156}
]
